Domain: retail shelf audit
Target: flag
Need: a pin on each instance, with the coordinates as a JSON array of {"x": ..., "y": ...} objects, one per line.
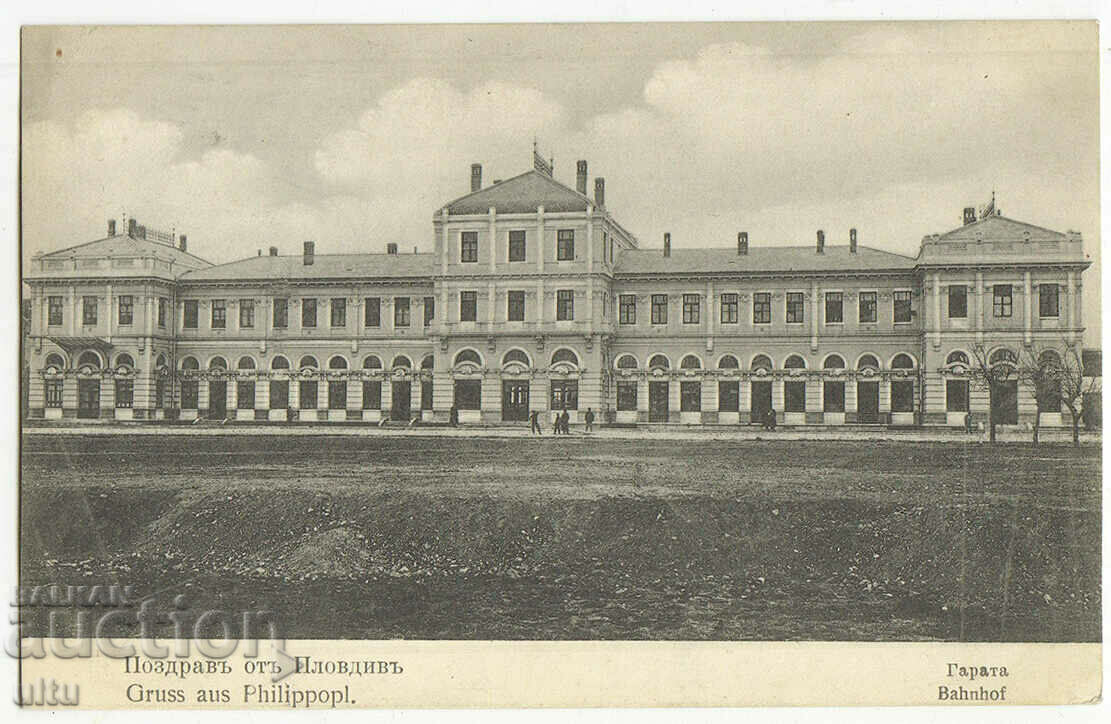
[
  {"x": 540, "y": 164},
  {"x": 989, "y": 210}
]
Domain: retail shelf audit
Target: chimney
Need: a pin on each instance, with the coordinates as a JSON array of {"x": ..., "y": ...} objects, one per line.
[
  {"x": 742, "y": 243},
  {"x": 821, "y": 242},
  {"x": 476, "y": 177},
  {"x": 131, "y": 224},
  {"x": 181, "y": 243},
  {"x": 273, "y": 251},
  {"x": 667, "y": 244},
  {"x": 600, "y": 192},
  {"x": 969, "y": 215},
  {"x": 111, "y": 227},
  {"x": 580, "y": 177},
  {"x": 852, "y": 241},
  {"x": 310, "y": 250},
  {"x": 391, "y": 248}
]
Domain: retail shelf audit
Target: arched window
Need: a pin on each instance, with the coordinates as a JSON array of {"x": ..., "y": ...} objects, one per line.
[
  {"x": 55, "y": 360},
  {"x": 467, "y": 356},
  {"x": 428, "y": 362},
  {"x": 279, "y": 363},
  {"x": 337, "y": 363},
  {"x": 794, "y": 362},
  {"x": 690, "y": 362},
  {"x": 868, "y": 361},
  {"x": 245, "y": 363},
  {"x": 957, "y": 357},
  {"x": 902, "y": 362},
  {"x": 401, "y": 361},
  {"x": 372, "y": 363},
  {"x": 565, "y": 355},
  {"x": 626, "y": 362},
  {"x": 515, "y": 355},
  {"x": 124, "y": 360},
  {"x": 728, "y": 362},
  {"x": 834, "y": 362},
  {"x": 308, "y": 361},
  {"x": 217, "y": 363},
  {"x": 190, "y": 363},
  {"x": 762, "y": 362},
  {"x": 1049, "y": 359},
  {"x": 1002, "y": 355},
  {"x": 658, "y": 362}
]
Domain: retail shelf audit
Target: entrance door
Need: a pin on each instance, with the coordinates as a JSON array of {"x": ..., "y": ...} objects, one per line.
[
  {"x": 401, "y": 391},
  {"x": 88, "y": 399},
  {"x": 218, "y": 399},
  {"x": 657, "y": 402},
  {"x": 868, "y": 402},
  {"x": 1004, "y": 402},
  {"x": 514, "y": 401},
  {"x": 761, "y": 400}
]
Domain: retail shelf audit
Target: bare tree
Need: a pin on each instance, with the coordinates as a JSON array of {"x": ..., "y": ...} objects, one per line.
[
  {"x": 1039, "y": 370},
  {"x": 989, "y": 372},
  {"x": 1074, "y": 386}
]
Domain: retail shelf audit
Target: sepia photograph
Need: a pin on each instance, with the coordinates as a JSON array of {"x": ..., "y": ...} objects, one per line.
[{"x": 525, "y": 335}]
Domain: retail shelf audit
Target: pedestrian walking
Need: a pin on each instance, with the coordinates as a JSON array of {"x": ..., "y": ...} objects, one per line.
[
  {"x": 769, "y": 423},
  {"x": 589, "y": 418},
  {"x": 534, "y": 423},
  {"x": 565, "y": 422},
  {"x": 453, "y": 416},
  {"x": 556, "y": 423}
]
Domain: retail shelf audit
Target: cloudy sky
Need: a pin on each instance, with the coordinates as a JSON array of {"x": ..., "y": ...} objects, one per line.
[{"x": 245, "y": 138}]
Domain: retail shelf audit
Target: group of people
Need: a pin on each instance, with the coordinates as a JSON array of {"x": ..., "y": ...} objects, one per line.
[{"x": 562, "y": 423}]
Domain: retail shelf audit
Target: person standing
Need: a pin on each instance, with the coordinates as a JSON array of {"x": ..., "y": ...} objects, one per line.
[
  {"x": 534, "y": 423},
  {"x": 565, "y": 421},
  {"x": 589, "y": 419}
]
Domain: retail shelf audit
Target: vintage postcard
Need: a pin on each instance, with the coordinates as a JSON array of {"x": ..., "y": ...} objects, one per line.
[{"x": 559, "y": 365}]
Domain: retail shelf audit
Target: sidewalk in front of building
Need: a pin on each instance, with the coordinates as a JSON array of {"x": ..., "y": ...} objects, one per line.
[{"x": 663, "y": 432}]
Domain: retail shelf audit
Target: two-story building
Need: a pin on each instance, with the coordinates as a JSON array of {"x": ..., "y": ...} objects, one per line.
[{"x": 535, "y": 298}]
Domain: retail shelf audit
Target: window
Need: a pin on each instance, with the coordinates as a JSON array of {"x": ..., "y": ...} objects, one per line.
[
  {"x": 279, "y": 394},
  {"x": 866, "y": 310},
  {"x": 191, "y": 314},
  {"x": 162, "y": 302},
  {"x": 401, "y": 311},
  {"x": 54, "y": 311},
  {"x": 372, "y": 395},
  {"x": 565, "y": 395},
  {"x": 88, "y": 310},
  {"x": 372, "y": 313},
  {"x": 835, "y": 308},
  {"x": 219, "y": 314},
  {"x": 468, "y": 394},
  {"x": 627, "y": 309},
  {"x": 127, "y": 310},
  {"x": 189, "y": 394},
  {"x": 794, "y": 396},
  {"x": 956, "y": 395},
  {"x": 690, "y": 396},
  {"x": 902, "y": 307},
  {"x": 659, "y": 309},
  {"x": 159, "y": 392},
  {"x": 53, "y": 393},
  {"x": 337, "y": 395},
  {"x": 730, "y": 309},
  {"x": 244, "y": 395},
  {"x": 1001, "y": 300},
  {"x": 125, "y": 393},
  {"x": 1048, "y": 300},
  {"x": 958, "y": 301},
  {"x": 626, "y": 395},
  {"x": 565, "y": 305},
  {"x": 516, "y": 303},
  {"x": 796, "y": 310},
  {"x": 468, "y": 247},
  {"x": 308, "y": 392},
  {"x": 281, "y": 313},
  {"x": 339, "y": 312},
  {"x": 762, "y": 308},
  {"x": 429, "y": 310},
  {"x": 468, "y": 306},
  {"x": 729, "y": 396},
  {"x": 902, "y": 396},
  {"x": 516, "y": 246},
  {"x": 957, "y": 357},
  {"x": 246, "y": 313},
  {"x": 308, "y": 312},
  {"x": 833, "y": 397},
  {"x": 565, "y": 245},
  {"x": 691, "y": 311}
]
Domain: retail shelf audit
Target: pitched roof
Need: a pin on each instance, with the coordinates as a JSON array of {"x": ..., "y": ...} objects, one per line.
[
  {"x": 125, "y": 245},
  {"x": 324, "y": 266},
  {"x": 521, "y": 195},
  {"x": 759, "y": 259},
  {"x": 1001, "y": 228}
]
